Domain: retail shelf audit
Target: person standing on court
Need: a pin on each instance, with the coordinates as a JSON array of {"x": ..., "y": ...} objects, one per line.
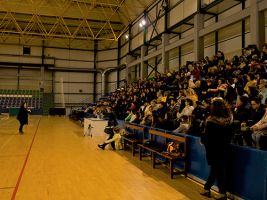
[
  {"x": 216, "y": 139},
  {"x": 23, "y": 116}
]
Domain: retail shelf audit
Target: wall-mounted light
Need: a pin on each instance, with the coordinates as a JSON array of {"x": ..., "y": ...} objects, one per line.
[
  {"x": 127, "y": 36},
  {"x": 142, "y": 23}
]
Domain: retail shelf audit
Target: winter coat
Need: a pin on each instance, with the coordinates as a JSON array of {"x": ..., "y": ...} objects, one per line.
[
  {"x": 23, "y": 115},
  {"x": 216, "y": 138}
]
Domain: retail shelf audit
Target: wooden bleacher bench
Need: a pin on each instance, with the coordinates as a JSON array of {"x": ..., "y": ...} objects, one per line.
[
  {"x": 134, "y": 139},
  {"x": 157, "y": 150}
]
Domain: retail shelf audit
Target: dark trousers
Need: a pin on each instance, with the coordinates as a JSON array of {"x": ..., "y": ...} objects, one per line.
[
  {"x": 21, "y": 127},
  {"x": 112, "y": 143},
  {"x": 216, "y": 172}
]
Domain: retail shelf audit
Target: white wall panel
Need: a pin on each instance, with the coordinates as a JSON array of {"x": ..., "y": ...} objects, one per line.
[
  {"x": 173, "y": 2},
  {"x": 247, "y": 39},
  {"x": 81, "y": 55},
  {"x": 187, "y": 33},
  {"x": 187, "y": 57},
  {"x": 231, "y": 47},
  {"x": 98, "y": 77},
  {"x": 123, "y": 60},
  {"x": 173, "y": 39},
  {"x": 107, "y": 64},
  {"x": 81, "y": 77},
  {"x": 48, "y": 83},
  {"x": 190, "y": 7},
  {"x": 209, "y": 22},
  {"x": 10, "y": 49},
  {"x": 124, "y": 49},
  {"x": 8, "y": 78},
  {"x": 173, "y": 53},
  {"x": 209, "y": 39},
  {"x": 173, "y": 64},
  {"x": 74, "y": 64},
  {"x": 107, "y": 55},
  {"x": 29, "y": 79},
  {"x": 122, "y": 74},
  {"x": 77, "y": 98},
  {"x": 152, "y": 14},
  {"x": 137, "y": 41},
  {"x": 209, "y": 51},
  {"x": 111, "y": 81},
  {"x": 8, "y": 72},
  {"x": 57, "y": 53},
  {"x": 81, "y": 64},
  {"x": 112, "y": 76},
  {"x": 33, "y": 74},
  {"x": 159, "y": 27},
  {"x": 72, "y": 77},
  {"x": 176, "y": 14},
  {"x": 36, "y": 51},
  {"x": 69, "y": 54},
  {"x": 104, "y": 45},
  {"x": 230, "y": 31},
  {"x": 230, "y": 12},
  {"x": 187, "y": 48},
  {"x": 28, "y": 84},
  {"x": 98, "y": 83},
  {"x": 135, "y": 29}
]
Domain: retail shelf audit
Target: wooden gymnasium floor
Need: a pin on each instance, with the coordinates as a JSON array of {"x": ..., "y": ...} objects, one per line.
[{"x": 52, "y": 160}]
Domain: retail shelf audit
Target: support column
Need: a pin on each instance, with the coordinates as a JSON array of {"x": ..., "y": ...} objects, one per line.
[
  {"x": 41, "y": 84},
  {"x": 143, "y": 68},
  {"x": 129, "y": 59},
  {"x": 103, "y": 84},
  {"x": 165, "y": 55},
  {"x": 198, "y": 41},
  {"x": 42, "y": 72},
  {"x": 256, "y": 24},
  {"x": 95, "y": 74}
]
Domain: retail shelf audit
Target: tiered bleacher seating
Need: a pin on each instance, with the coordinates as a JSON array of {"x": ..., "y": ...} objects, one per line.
[{"x": 14, "y": 99}]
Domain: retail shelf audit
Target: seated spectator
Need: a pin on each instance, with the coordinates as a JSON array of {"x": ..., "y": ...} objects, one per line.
[
  {"x": 159, "y": 116},
  {"x": 221, "y": 88},
  {"x": 263, "y": 90},
  {"x": 136, "y": 119},
  {"x": 188, "y": 109},
  {"x": 252, "y": 82},
  {"x": 263, "y": 57},
  {"x": 115, "y": 139},
  {"x": 257, "y": 113},
  {"x": 148, "y": 118},
  {"x": 131, "y": 116},
  {"x": 184, "y": 125},
  {"x": 243, "y": 110},
  {"x": 199, "y": 116},
  {"x": 259, "y": 129}
]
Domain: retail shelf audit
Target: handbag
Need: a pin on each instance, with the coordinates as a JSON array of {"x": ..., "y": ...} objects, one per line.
[
  {"x": 175, "y": 149},
  {"x": 108, "y": 130}
]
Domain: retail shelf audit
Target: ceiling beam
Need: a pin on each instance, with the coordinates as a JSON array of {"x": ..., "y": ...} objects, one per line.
[{"x": 68, "y": 18}]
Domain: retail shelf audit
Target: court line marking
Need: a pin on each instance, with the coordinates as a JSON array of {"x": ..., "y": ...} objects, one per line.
[
  {"x": 5, "y": 188},
  {"x": 24, "y": 164}
]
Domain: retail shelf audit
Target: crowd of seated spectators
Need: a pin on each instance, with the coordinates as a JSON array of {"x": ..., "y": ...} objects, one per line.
[{"x": 179, "y": 101}]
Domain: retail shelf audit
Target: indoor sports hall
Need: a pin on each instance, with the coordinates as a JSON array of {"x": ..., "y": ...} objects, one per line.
[{"x": 133, "y": 99}]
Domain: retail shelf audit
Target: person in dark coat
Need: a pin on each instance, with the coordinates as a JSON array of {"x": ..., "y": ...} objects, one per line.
[
  {"x": 22, "y": 116},
  {"x": 112, "y": 122},
  {"x": 216, "y": 139}
]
